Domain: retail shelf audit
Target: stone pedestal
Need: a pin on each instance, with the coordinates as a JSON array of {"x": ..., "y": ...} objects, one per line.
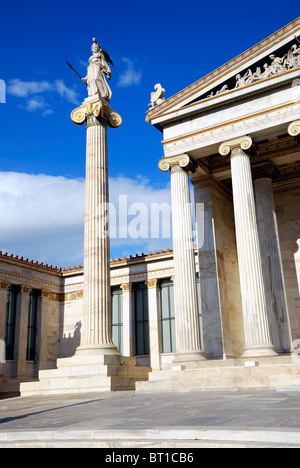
[
  {"x": 256, "y": 326},
  {"x": 185, "y": 292}
]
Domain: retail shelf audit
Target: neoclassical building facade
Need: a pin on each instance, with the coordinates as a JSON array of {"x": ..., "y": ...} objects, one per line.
[{"x": 226, "y": 314}]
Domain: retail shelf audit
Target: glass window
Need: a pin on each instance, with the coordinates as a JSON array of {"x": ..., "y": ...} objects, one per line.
[
  {"x": 168, "y": 336},
  {"x": 10, "y": 322},
  {"x": 32, "y": 325},
  {"x": 142, "y": 347},
  {"x": 117, "y": 317}
]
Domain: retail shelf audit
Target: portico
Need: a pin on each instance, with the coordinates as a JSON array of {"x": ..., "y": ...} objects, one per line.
[{"x": 238, "y": 129}]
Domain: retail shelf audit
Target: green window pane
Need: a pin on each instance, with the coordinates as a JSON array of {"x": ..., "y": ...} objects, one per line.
[
  {"x": 10, "y": 322},
  {"x": 32, "y": 325},
  {"x": 141, "y": 319},
  {"x": 168, "y": 338},
  {"x": 117, "y": 317}
]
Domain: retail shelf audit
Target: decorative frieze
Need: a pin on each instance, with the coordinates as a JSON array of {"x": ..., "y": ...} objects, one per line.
[
  {"x": 73, "y": 296},
  {"x": 277, "y": 66},
  {"x": 191, "y": 140},
  {"x": 51, "y": 296}
]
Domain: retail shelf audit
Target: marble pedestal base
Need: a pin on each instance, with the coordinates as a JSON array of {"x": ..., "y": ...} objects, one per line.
[
  {"x": 189, "y": 356},
  {"x": 259, "y": 351},
  {"x": 98, "y": 350}
]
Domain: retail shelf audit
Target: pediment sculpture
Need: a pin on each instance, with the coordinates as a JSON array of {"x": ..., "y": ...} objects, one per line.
[
  {"x": 276, "y": 66},
  {"x": 157, "y": 97}
]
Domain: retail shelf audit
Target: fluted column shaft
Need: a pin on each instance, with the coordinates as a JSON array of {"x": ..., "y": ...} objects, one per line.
[
  {"x": 185, "y": 292},
  {"x": 96, "y": 326},
  {"x": 272, "y": 264},
  {"x": 256, "y": 327},
  {"x": 97, "y": 295}
]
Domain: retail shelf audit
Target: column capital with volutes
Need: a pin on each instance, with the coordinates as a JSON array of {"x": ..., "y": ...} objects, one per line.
[
  {"x": 182, "y": 162},
  {"x": 244, "y": 143},
  {"x": 96, "y": 111},
  {"x": 294, "y": 128}
]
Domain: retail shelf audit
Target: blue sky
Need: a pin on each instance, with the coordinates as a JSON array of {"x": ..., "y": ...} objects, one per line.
[{"x": 42, "y": 153}]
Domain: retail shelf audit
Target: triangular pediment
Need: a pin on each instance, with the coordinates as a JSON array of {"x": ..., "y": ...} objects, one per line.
[{"x": 269, "y": 63}]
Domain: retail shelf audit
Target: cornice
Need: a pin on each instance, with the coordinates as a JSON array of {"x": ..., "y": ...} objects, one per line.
[
  {"x": 34, "y": 282},
  {"x": 220, "y": 72},
  {"x": 237, "y": 95}
]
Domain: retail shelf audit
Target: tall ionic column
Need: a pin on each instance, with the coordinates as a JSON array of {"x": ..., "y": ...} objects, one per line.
[
  {"x": 96, "y": 329},
  {"x": 256, "y": 327},
  {"x": 271, "y": 256},
  {"x": 185, "y": 292}
]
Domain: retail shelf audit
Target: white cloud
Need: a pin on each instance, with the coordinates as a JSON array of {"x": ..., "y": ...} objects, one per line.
[
  {"x": 21, "y": 88},
  {"x": 42, "y": 217},
  {"x": 32, "y": 91},
  {"x": 65, "y": 92},
  {"x": 130, "y": 76}
]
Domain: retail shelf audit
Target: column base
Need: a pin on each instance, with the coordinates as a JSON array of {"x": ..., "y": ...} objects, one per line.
[
  {"x": 259, "y": 351},
  {"x": 98, "y": 349},
  {"x": 189, "y": 356}
]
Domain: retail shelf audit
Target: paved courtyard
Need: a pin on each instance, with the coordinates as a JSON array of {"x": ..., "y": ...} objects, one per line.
[{"x": 127, "y": 419}]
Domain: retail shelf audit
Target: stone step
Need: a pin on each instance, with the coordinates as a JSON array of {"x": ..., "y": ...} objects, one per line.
[
  {"x": 158, "y": 438},
  {"x": 87, "y": 373},
  {"x": 97, "y": 370},
  {"x": 237, "y": 378},
  {"x": 96, "y": 359}
]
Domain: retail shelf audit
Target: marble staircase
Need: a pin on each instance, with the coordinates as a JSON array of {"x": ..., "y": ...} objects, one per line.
[
  {"x": 282, "y": 372},
  {"x": 87, "y": 374}
]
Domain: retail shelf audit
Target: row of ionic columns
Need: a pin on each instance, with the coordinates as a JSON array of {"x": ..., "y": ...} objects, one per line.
[{"x": 264, "y": 309}]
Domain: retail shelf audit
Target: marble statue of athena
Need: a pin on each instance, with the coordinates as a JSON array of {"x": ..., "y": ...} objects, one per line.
[{"x": 96, "y": 72}]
